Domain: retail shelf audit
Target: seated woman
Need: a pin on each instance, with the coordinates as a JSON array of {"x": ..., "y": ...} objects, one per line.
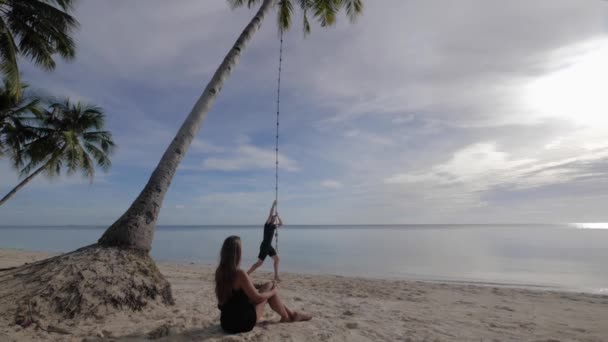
[{"x": 241, "y": 304}]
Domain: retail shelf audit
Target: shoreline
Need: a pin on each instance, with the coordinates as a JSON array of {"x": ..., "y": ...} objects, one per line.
[
  {"x": 345, "y": 309},
  {"x": 431, "y": 280}
]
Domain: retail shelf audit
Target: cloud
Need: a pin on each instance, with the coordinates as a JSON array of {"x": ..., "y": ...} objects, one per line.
[
  {"x": 164, "y": 33},
  {"x": 368, "y": 137},
  {"x": 331, "y": 184},
  {"x": 249, "y": 157},
  {"x": 470, "y": 164},
  {"x": 481, "y": 167},
  {"x": 145, "y": 140},
  {"x": 205, "y": 147},
  {"x": 228, "y": 198},
  {"x": 573, "y": 91},
  {"x": 467, "y": 68}
]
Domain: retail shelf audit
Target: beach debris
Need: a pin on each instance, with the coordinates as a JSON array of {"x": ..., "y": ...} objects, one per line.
[
  {"x": 348, "y": 313},
  {"x": 107, "y": 333},
  {"x": 23, "y": 322},
  {"x": 57, "y": 330},
  {"x": 98, "y": 333},
  {"x": 27, "y": 320},
  {"x": 164, "y": 330},
  {"x": 232, "y": 339},
  {"x": 352, "y": 325},
  {"x": 505, "y": 308}
]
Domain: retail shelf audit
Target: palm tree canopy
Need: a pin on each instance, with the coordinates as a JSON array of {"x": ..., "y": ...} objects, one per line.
[
  {"x": 37, "y": 30},
  {"x": 71, "y": 138},
  {"x": 15, "y": 117},
  {"x": 324, "y": 11}
]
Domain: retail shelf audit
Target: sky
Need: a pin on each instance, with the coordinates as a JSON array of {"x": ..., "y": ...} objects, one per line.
[{"x": 475, "y": 111}]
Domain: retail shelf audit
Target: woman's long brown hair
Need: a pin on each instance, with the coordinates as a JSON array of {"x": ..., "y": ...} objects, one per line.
[{"x": 225, "y": 274}]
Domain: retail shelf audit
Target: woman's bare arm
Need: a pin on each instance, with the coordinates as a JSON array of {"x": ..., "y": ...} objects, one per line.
[{"x": 252, "y": 293}]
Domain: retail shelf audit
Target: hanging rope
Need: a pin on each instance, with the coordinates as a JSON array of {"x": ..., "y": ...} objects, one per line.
[{"x": 276, "y": 150}]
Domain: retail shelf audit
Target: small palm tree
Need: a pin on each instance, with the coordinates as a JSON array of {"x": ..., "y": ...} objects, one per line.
[
  {"x": 37, "y": 30},
  {"x": 135, "y": 228},
  {"x": 69, "y": 137}
]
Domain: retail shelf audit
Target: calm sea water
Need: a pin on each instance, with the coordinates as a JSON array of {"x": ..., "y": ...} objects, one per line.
[{"x": 551, "y": 256}]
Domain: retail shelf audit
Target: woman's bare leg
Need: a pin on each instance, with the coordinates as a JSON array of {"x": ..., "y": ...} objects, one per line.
[
  {"x": 259, "y": 310},
  {"x": 277, "y": 305}
]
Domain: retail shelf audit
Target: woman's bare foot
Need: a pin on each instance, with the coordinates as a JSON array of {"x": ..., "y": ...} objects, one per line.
[
  {"x": 300, "y": 317},
  {"x": 277, "y": 280}
]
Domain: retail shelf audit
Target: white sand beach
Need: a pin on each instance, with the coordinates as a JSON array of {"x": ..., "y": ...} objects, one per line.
[{"x": 344, "y": 309}]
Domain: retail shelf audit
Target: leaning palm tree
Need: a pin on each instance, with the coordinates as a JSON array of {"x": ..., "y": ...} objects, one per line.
[
  {"x": 37, "y": 30},
  {"x": 135, "y": 228},
  {"x": 118, "y": 272},
  {"x": 70, "y": 138}
]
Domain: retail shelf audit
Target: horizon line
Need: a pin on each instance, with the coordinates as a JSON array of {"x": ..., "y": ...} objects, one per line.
[{"x": 321, "y": 224}]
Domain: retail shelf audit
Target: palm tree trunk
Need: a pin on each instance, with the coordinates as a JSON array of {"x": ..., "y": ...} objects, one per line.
[
  {"x": 135, "y": 228},
  {"x": 24, "y": 182}
]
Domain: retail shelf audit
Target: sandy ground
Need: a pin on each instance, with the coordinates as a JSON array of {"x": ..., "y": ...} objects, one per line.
[{"x": 344, "y": 309}]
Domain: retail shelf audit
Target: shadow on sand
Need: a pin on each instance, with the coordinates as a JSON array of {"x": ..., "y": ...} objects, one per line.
[{"x": 168, "y": 333}]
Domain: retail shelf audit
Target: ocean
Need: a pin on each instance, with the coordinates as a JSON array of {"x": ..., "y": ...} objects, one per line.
[{"x": 571, "y": 257}]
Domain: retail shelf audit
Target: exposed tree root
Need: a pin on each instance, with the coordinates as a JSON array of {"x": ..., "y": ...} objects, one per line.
[{"x": 90, "y": 282}]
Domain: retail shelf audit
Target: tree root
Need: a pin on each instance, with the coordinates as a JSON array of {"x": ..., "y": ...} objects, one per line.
[{"x": 90, "y": 282}]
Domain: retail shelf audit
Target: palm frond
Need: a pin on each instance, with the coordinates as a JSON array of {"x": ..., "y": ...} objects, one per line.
[
  {"x": 27, "y": 169},
  {"x": 102, "y": 138},
  {"x": 42, "y": 30},
  {"x": 101, "y": 158},
  {"x": 239, "y": 3},
  {"x": 37, "y": 30},
  {"x": 353, "y": 8},
  {"x": 8, "y": 61},
  {"x": 305, "y": 6},
  {"x": 305, "y": 24},
  {"x": 87, "y": 167},
  {"x": 66, "y": 5},
  {"x": 325, "y": 11},
  {"x": 284, "y": 15}
]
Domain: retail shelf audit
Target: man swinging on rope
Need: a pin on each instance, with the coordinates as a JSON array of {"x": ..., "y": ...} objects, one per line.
[{"x": 272, "y": 223}]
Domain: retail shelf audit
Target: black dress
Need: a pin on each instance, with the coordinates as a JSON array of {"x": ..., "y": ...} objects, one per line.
[{"x": 238, "y": 315}]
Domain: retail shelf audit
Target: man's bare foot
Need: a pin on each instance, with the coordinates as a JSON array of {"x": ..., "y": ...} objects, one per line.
[
  {"x": 300, "y": 317},
  {"x": 277, "y": 280}
]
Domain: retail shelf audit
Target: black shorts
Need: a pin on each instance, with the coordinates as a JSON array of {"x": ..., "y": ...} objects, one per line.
[{"x": 266, "y": 249}]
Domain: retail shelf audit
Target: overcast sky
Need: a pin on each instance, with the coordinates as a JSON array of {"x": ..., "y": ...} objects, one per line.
[{"x": 421, "y": 112}]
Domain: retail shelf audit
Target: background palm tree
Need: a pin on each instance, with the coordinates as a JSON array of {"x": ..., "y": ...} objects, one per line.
[
  {"x": 37, "y": 30},
  {"x": 135, "y": 228},
  {"x": 69, "y": 137}
]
